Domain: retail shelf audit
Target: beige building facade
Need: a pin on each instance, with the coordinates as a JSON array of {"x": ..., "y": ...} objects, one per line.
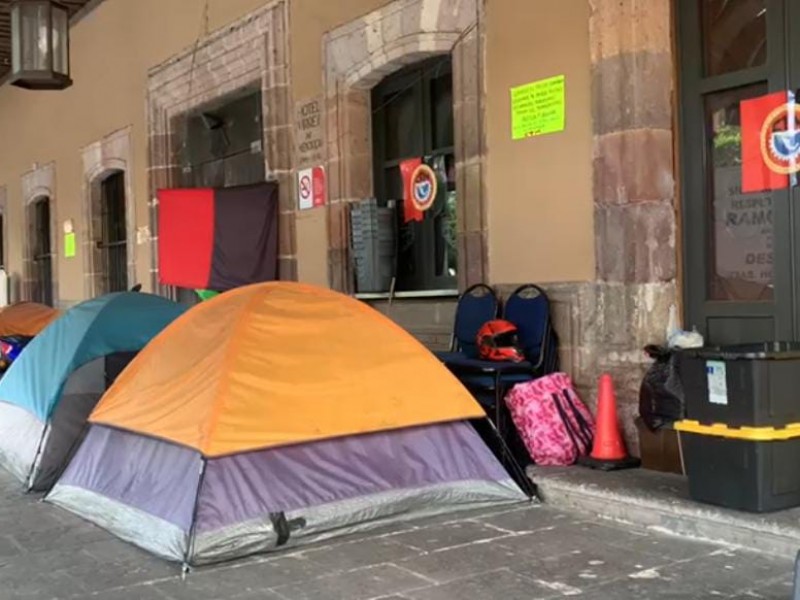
[{"x": 591, "y": 213}]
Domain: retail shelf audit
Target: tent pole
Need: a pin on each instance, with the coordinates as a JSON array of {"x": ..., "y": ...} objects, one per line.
[
  {"x": 516, "y": 471},
  {"x": 39, "y": 450},
  {"x": 73, "y": 449}
]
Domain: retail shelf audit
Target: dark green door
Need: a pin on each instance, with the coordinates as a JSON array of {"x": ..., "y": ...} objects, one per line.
[{"x": 740, "y": 250}]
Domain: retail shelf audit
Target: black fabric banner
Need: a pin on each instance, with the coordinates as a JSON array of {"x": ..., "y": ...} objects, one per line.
[{"x": 245, "y": 236}]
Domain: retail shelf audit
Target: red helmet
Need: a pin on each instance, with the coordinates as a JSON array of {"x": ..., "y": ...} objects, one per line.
[{"x": 497, "y": 340}]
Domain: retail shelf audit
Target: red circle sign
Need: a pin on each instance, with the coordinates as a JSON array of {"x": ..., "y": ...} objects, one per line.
[{"x": 305, "y": 187}]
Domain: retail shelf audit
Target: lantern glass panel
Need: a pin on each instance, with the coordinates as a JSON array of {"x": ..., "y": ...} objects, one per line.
[
  {"x": 60, "y": 45},
  {"x": 31, "y": 39},
  {"x": 16, "y": 39}
]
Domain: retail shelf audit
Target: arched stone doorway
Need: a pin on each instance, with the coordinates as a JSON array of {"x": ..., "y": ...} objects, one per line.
[
  {"x": 109, "y": 216},
  {"x": 360, "y": 54},
  {"x": 40, "y": 268},
  {"x": 108, "y": 248},
  {"x": 41, "y": 250}
]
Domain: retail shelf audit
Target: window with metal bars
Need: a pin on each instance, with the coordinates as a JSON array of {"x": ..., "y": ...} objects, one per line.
[
  {"x": 42, "y": 257},
  {"x": 113, "y": 243}
]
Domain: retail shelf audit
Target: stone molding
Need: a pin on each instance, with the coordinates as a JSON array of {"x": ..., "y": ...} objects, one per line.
[
  {"x": 39, "y": 182},
  {"x": 251, "y": 53},
  {"x": 101, "y": 159}
]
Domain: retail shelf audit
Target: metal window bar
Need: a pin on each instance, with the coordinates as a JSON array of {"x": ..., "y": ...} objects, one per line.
[
  {"x": 42, "y": 256},
  {"x": 2, "y": 241},
  {"x": 113, "y": 242}
]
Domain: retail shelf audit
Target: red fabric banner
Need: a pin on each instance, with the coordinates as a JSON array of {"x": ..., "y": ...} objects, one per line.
[
  {"x": 185, "y": 237},
  {"x": 410, "y": 211},
  {"x": 757, "y": 176}
]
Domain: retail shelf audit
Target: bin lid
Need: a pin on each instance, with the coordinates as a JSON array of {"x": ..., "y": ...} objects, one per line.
[
  {"x": 760, "y": 351},
  {"x": 752, "y": 434}
]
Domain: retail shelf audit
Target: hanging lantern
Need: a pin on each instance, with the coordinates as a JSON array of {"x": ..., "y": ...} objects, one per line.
[{"x": 40, "y": 45}]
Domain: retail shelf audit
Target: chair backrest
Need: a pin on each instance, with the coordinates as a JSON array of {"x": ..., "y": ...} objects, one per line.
[
  {"x": 476, "y": 306},
  {"x": 529, "y": 309}
]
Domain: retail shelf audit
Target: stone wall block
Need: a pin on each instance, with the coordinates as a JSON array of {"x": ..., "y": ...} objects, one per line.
[
  {"x": 279, "y": 148},
  {"x": 471, "y": 181},
  {"x": 287, "y": 239},
  {"x": 636, "y": 243},
  {"x": 411, "y": 17},
  {"x": 473, "y": 257},
  {"x": 469, "y": 134},
  {"x": 632, "y": 91},
  {"x": 634, "y": 166},
  {"x": 392, "y": 27},
  {"x": 338, "y": 224},
  {"x": 629, "y": 26},
  {"x": 287, "y": 268},
  {"x": 338, "y": 268}
]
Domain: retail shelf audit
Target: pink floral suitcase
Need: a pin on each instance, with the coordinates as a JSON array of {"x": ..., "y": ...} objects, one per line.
[{"x": 555, "y": 426}]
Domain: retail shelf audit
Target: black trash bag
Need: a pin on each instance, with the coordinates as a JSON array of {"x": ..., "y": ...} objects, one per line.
[{"x": 661, "y": 399}]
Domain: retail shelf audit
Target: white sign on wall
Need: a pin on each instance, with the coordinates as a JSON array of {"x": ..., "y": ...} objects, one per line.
[
  {"x": 311, "y": 188},
  {"x": 305, "y": 192}
]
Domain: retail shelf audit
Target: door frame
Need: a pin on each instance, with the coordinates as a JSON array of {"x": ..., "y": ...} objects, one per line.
[{"x": 696, "y": 242}]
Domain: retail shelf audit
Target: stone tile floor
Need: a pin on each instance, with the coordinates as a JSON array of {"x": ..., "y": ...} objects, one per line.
[{"x": 523, "y": 553}]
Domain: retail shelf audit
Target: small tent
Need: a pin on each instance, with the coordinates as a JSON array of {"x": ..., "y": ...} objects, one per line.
[
  {"x": 50, "y": 390},
  {"x": 274, "y": 414},
  {"x": 26, "y": 318}
]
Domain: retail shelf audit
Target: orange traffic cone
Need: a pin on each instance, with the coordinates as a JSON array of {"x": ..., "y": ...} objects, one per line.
[{"x": 608, "y": 451}]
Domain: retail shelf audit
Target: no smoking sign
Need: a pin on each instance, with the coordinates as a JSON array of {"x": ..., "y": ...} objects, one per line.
[{"x": 311, "y": 188}]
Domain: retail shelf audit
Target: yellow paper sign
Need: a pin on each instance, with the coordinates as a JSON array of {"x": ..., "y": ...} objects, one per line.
[
  {"x": 538, "y": 108},
  {"x": 69, "y": 245}
]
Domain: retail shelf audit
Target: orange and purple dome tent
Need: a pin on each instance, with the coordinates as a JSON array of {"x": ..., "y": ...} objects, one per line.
[{"x": 275, "y": 414}]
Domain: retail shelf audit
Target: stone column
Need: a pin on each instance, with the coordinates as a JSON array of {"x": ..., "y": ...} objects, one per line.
[{"x": 634, "y": 188}]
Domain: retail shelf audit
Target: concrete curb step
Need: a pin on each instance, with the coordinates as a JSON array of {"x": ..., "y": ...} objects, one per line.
[{"x": 660, "y": 502}]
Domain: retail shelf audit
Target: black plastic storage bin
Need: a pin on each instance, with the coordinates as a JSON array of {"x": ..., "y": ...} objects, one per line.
[
  {"x": 751, "y": 469},
  {"x": 754, "y": 385}
]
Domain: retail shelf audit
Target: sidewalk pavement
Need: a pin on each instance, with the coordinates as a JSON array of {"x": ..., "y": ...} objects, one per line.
[{"x": 524, "y": 553}]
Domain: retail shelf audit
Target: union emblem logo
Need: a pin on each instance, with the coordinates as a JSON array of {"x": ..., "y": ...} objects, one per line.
[
  {"x": 424, "y": 186},
  {"x": 780, "y": 148}
]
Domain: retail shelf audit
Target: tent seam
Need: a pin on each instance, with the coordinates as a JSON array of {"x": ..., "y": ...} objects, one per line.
[
  {"x": 222, "y": 385},
  {"x": 159, "y": 340}
]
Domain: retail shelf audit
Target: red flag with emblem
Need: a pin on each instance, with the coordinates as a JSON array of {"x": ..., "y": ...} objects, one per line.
[
  {"x": 757, "y": 176},
  {"x": 410, "y": 211}
]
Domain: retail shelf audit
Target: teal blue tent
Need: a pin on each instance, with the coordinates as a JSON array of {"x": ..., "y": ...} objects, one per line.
[{"x": 49, "y": 391}]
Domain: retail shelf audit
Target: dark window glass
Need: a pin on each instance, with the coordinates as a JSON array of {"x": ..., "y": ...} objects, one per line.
[
  {"x": 442, "y": 111},
  {"x": 413, "y": 118},
  {"x": 224, "y": 144},
  {"x": 734, "y": 35},
  {"x": 42, "y": 258},
  {"x": 402, "y": 121},
  {"x": 741, "y": 224},
  {"x": 114, "y": 240}
]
